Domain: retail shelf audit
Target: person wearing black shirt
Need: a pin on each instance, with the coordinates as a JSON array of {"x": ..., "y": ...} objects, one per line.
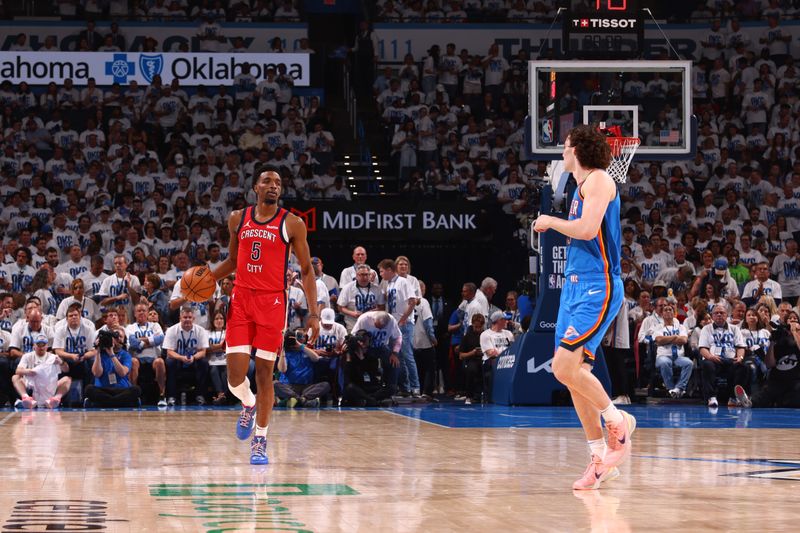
[
  {"x": 782, "y": 388},
  {"x": 364, "y": 56},
  {"x": 469, "y": 351}
]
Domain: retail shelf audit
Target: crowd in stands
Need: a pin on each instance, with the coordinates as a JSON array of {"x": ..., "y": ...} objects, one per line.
[
  {"x": 544, "y": 11},
  {"x": 112, "y": 193},
  {"x": 716, "y": 233},
  {"x": 180, "y": 10}
]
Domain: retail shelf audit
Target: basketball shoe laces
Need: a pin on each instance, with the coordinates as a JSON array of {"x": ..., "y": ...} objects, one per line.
[
  {"x": 246, "y": 417},
  {"x": 259, "y": 446}
]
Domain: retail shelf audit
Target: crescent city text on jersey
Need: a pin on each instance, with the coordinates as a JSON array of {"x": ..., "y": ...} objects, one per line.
[{"x": 258, "y": 234}]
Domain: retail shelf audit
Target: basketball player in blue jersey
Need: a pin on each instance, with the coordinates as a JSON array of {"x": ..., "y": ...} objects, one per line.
[{"x": 590, "y": 299}]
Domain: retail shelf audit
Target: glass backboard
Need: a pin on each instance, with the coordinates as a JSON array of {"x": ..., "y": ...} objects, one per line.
[{"x": 651, "y": 100}]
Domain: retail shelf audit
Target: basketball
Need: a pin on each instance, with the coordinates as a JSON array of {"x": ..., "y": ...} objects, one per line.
[{"x": 197, "y": 284}]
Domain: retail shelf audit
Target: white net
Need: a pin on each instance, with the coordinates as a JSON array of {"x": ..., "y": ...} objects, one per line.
[{"x": 622, "y": 150}]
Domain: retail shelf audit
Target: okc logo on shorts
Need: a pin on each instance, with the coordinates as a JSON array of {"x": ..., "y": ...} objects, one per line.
[{"x": 571, "y": 332}]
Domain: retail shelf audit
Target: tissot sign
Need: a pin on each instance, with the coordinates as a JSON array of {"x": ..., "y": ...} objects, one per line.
[
  {"x": 394, "y": 220},
  {"x": 41, "y": 68}
]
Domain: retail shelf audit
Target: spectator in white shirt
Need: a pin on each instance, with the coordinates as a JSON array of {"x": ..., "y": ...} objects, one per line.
[
  {"x": 761, "y": 286},
  {"x": 400, "y": 303},
  {"x": 670, "y": 339}
]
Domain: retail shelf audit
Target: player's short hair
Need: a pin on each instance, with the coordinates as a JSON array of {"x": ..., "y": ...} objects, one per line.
[
  {"x": 388, "y": 264},
  {"x": 74, "y": 307},
  {"x": 363, "y": 266},
  {"x": 591, "y": 147},
  {"x": 260, "y": 169}
]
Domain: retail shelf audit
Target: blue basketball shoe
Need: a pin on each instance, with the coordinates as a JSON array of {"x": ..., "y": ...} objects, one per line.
[
  {"x": 258, "y": 451},
  {"x": 246, "y": 423}
]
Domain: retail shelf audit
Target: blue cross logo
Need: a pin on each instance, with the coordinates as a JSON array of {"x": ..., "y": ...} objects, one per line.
[{"x": 120, "y": 68}]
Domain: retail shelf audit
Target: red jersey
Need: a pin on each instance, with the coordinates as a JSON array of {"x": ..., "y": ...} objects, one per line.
[{"x": 263, "y": 252}]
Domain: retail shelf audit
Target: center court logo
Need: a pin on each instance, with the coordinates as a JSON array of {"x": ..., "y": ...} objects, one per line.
[
  {"x": 239, "y": 506},
  {"x": 151, "y": 66},
  {"x": 120, "y": 68}
]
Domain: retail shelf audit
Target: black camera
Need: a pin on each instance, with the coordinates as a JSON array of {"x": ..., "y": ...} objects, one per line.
[
  {"x": 105, "y": 339},
  {"x": 293, "y": 339},
  {"x": 357, "y": 343}
]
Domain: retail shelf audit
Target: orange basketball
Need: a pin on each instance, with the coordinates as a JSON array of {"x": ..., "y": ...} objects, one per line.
[{"x": 197, "y": 284}]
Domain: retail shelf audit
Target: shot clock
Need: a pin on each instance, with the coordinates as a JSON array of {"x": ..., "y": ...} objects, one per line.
[{"x": 603, "y": 29}]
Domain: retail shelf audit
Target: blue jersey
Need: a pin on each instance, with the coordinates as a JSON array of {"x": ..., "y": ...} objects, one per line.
[{"x": 600, "y": 255}]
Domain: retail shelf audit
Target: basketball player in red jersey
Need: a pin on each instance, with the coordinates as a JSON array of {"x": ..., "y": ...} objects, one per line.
[{"x": 262, "y": 236}]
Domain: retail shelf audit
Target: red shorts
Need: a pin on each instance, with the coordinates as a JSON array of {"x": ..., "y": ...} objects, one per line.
[{"x": 256, "y": 319}]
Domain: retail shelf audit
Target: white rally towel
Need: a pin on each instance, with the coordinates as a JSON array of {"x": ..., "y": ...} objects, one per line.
[{"x": 44, "y": 380}]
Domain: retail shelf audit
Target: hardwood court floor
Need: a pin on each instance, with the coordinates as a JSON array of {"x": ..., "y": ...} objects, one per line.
[{"x": 434, "y": 469}]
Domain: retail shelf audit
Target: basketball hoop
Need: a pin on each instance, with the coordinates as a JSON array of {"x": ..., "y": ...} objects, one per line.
[{"x": 622, "y": 150}]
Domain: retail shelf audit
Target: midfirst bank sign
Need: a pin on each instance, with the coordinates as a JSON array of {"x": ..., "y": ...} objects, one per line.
[
  {"x": 386, "y": 219},
  {"x": 41, "y": 68}
]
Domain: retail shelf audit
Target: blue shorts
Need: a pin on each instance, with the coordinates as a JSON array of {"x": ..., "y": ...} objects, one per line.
[{"x": 589, "y": 304}]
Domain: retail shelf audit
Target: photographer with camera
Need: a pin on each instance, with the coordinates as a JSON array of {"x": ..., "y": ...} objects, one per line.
[
  {"x": 296, "y": 384},
  {"x": 371, "y": 360},
  {"x": 111, "y": 367}
]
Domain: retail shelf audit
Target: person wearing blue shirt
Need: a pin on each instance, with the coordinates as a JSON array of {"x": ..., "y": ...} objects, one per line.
[
  {"x": 296, "y": 386},
  {"x": 110, "y": 370}
]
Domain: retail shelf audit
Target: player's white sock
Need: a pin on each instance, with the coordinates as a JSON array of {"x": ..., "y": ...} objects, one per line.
[
  {"x": 261, "y": 432},
  {"x": 243, "y": 392},
  {"x": 611, "y": 414},
  {"x": 598, "y": 447}
]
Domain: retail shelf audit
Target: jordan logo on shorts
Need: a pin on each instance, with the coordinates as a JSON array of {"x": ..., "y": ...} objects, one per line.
[
  {"x": 571, "y": 332},
  {"x": 277, "y": 302}
]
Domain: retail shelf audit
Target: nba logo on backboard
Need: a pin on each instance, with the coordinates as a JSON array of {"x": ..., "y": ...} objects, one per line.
[
  {"x": 547, "y": 131},
  {"x": 552, "y": 281}
]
